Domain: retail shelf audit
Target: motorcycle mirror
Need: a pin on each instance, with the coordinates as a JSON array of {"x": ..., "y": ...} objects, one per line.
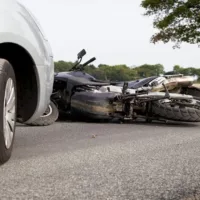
[{"x": 81, "y": 53}]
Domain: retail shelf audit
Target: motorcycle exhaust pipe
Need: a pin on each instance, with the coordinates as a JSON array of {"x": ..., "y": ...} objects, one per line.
[{"x": 163, "y": 95}]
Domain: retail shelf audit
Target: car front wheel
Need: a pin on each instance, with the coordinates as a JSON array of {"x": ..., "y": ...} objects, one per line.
[{"x": 8, "y": 109}]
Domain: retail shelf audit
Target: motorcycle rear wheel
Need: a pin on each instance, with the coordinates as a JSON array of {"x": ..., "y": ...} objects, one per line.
[{"x": 185, "y": 114}]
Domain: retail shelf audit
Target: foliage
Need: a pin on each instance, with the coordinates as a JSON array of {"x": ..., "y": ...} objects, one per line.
[
  {"x": 187, "y": 71},
  {"x": 125, "y": 73},
  {"x": 147, "y": 70},
  {"x": 61, "y": 66},
  {"x": 116, "y": 72},
  {"x": 177, "y": 20}
]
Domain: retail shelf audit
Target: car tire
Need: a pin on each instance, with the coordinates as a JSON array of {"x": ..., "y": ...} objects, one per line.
[{"x": 8, "y": 109}]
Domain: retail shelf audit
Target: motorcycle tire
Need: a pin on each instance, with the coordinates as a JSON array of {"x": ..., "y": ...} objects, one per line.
[
  {"x": 185, "y": 114},
  {"x": 48, "y": 118},
  {"x": 194, "y": 91}
]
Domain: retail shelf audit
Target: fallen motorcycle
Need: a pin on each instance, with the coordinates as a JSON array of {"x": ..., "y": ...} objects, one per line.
[
  {"x": 79, "y": 95},
  {"x": 177, "y": 83}
]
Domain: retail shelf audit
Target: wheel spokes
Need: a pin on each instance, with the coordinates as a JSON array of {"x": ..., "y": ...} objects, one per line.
[
  {"x": 11, "y": 120},
  {"x": 9, "y": 112},
  {"x": 10, "y": 96},
  {"x": 8, "y": 92},
  {"x": 8, "y": 135}
]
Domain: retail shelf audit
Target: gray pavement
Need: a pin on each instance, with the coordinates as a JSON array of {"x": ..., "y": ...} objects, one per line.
[{"x": 104, "y": 161}]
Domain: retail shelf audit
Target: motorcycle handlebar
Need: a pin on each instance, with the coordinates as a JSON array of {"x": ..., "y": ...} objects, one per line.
[{"x": 89, "y": 61}]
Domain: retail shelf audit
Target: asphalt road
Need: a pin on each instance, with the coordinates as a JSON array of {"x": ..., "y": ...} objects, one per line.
[{"x": 104, "y": 161}]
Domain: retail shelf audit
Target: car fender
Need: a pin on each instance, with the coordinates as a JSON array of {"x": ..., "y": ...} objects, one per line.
[{"x": 18, "y": 26}]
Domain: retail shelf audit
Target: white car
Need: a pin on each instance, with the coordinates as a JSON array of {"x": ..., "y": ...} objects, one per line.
[{"x": 26, "y": 71}]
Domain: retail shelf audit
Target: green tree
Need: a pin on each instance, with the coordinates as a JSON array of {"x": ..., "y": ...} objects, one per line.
[
  {"x": 177, "y": 69},
  {"x": 147, "y": 70},
  {"x": 61, "y": 66},
  {"x": 176, "y": 20}
]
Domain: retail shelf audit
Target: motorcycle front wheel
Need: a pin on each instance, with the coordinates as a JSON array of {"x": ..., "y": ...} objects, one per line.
[
  {"x": 176, "y": 113},
  {"x": 48, "y": 118}
]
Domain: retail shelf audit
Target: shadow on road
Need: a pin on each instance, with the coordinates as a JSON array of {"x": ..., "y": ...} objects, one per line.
[
  {"x": 135, "y": 123},
  {"x": 139, "y": 122}
]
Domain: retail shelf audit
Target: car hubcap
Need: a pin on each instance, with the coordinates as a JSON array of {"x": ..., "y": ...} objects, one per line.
[{"x": 9, "y": 113}]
